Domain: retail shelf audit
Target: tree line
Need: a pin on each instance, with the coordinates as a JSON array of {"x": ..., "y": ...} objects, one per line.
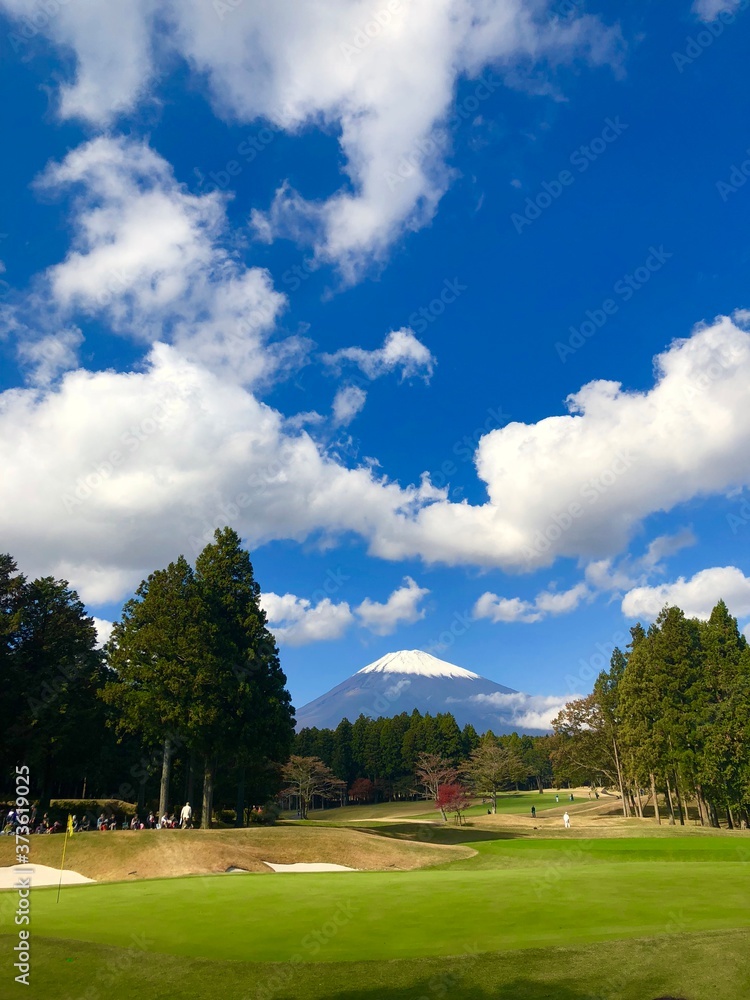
[
  {"x": 188, "y": 685},
  {"x": 669, "y": 720},
  {"x": 375, "y": 759}
]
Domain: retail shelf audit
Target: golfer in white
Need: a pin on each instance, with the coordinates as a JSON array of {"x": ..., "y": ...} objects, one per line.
[
  {"x": 566, "y": 821},
  {"x": 187, "y": 814}
]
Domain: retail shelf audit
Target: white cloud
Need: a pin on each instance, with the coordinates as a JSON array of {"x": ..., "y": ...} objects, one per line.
[
  {"x": 295, "y": 621},
  {"x": 152, "y": 460},
  {"x": 527, "y": 711},
  {"x": 401, "y": 608},
  {"x": 46, "y": 357},
  {"x": 347, "y": 403},
  {"x": 580, "y": 485},
  {"x": 400, "y": 351},
  {"x": 513, "y": 609},
  {"x": 696, "y": 596},
  {"x": 385, "y": 89},
  {"x": 103, "y": 630},
  {"x": 149, "y": 260},
  {"x": 626, "y": 573},
  {"x": 709, "y": 10}
]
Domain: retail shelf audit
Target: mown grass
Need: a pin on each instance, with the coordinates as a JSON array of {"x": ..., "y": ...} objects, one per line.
[
  {"x": 374, "y": 916},
  {"x": 705, "y": 966}
]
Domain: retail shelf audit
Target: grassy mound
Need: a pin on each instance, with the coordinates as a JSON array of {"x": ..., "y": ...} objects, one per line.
[{"x": 118, "y": 855}]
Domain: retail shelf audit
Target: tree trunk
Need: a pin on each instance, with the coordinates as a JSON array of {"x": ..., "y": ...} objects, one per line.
[
  {"x": 619, "y": 779},
  {"x": 712, "y": 814},
  {"x": 657, "y": 814},
  {"x": 240, "y": 804},
  {"x": 699, "y": 800},
  {"x": 166, "y": 765},
  {"x": 669, "y": 803},
  {"x": 190, "y": 778},
  {"x": 494, "y": 802},
  {"x": 639, "y": 804},
  {"x": 208, "y": 793},
  {"x": 730, "y": 823},
  {"x": 679, "y": 801}
]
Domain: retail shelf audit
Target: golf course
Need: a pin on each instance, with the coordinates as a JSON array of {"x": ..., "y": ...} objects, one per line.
[{"x": 505, "y": 906}]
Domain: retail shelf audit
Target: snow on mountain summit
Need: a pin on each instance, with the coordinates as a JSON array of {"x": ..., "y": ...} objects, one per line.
[{"x": 415, "y": 661}]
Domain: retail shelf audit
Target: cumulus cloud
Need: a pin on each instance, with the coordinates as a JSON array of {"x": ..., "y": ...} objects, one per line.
[
  {"x": 580, "y": 485},
  {"x": 401, "y": 351},
  {"x": 626, "y": 573},
  {"x": 103, "y": 630},
  {"x": 527, "y": 711},
  {"x": 513, "y": 609},
  {"x": 347, "y": 403},
  {"x": 383, "y": 81},
  {"x": 295, "y": 621},
  {"x": 149, "y": 260},
  {"x": 709, "y": 10},
  {"x": 696, "y": 596},
  {"x": 44, "y": 358},
  {"x": 153, "y": 460},
  {"x": 401, "y": 608}
]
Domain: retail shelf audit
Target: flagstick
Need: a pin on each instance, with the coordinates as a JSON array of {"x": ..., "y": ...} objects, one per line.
[{"x": 62, "y": 865}]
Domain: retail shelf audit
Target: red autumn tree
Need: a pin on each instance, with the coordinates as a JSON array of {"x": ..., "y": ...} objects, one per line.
[{"x": 453, "y": 798}]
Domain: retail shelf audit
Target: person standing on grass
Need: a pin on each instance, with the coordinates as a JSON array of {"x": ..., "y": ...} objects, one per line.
[
  {"x": 566, "y": 821},
  {"x": 533, "y": 812},
  {"x": 186, "y": 816}
]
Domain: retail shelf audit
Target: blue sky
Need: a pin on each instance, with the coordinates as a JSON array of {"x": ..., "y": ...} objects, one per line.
[{"x": 271, "y": 267}]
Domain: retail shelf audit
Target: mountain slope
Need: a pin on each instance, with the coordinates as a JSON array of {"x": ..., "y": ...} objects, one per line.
[{"x": 408, "y": 679}]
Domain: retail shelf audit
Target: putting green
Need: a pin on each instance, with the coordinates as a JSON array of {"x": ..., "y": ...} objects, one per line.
[{"x": 376, "y": 916}]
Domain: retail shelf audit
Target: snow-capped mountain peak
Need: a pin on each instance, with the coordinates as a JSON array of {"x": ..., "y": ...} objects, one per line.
[{"x": 415, "y": 661}]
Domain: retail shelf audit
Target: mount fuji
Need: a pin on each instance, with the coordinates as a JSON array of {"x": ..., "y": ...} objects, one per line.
[{"x": 409, "y": 679}]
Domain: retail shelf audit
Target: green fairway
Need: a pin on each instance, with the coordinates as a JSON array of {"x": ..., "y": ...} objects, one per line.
[
  {"x": 377, "y": 916},
  {"x": 548, "y": 852},
  {"x": 707, "y": 966}
]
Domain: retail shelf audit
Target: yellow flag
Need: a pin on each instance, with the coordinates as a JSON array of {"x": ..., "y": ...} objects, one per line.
[{"x": 70, "y": 831}]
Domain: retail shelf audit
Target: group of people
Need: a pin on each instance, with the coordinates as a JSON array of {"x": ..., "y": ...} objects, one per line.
[{"x": 10, "y": 820}]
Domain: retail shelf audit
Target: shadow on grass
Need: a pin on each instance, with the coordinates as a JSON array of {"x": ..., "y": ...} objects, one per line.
[
  {"x": 432, "y": 833},
  {"x": 451, "y": 986}
]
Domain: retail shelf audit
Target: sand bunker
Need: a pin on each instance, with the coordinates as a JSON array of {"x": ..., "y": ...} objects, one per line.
[
  {"x": 40, "y": 875},
  {"x": 313, "y": 867}
]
